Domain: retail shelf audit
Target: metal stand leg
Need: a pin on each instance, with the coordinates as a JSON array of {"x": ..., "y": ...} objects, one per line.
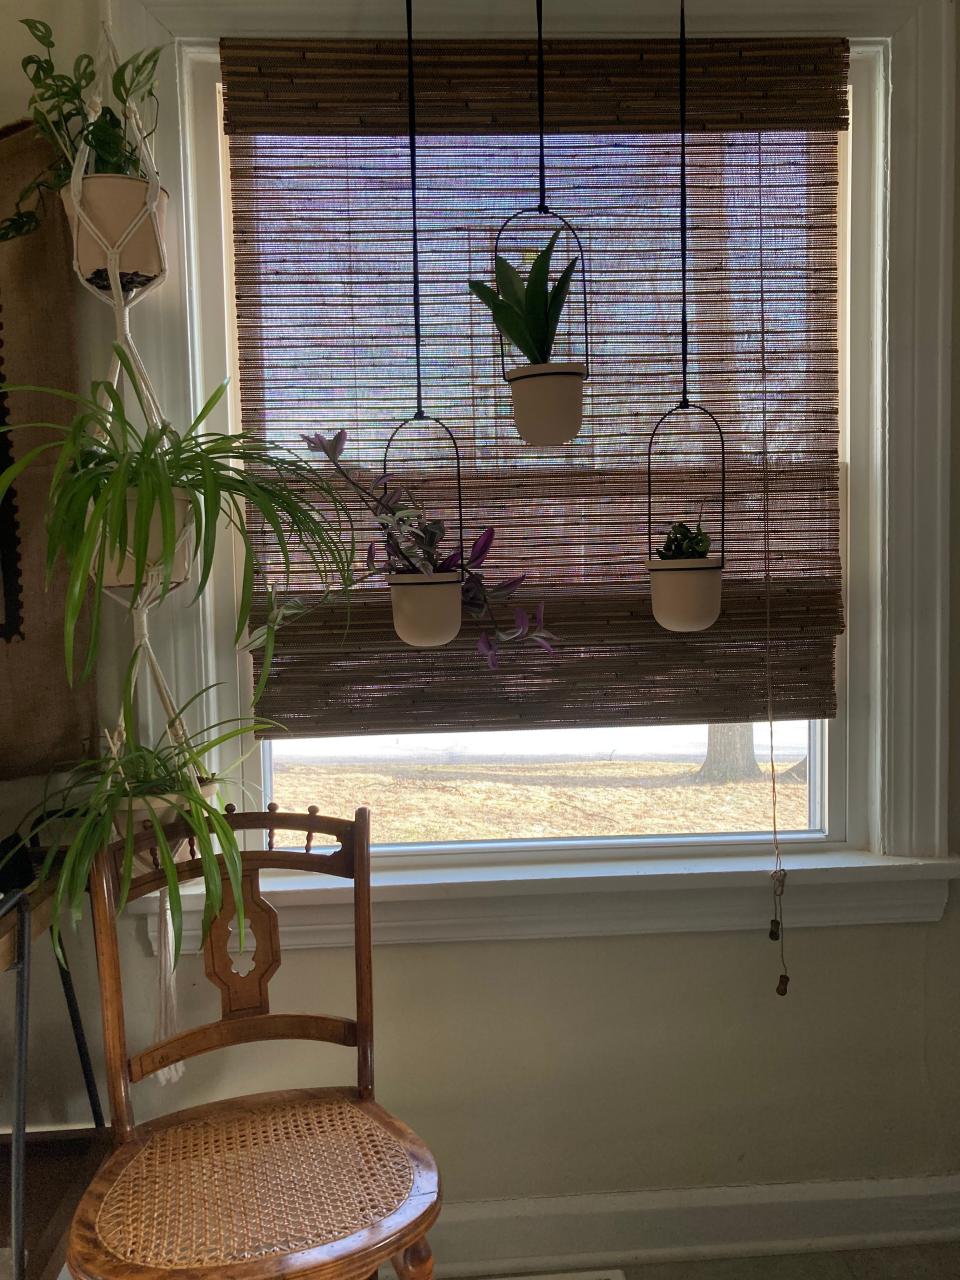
[
  {"x": 80, "y": 1038},
  {"x": 19, "y": 1135}
]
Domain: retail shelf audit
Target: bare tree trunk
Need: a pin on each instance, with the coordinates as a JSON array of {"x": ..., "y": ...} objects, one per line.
[{"x": 730, "y": 755}]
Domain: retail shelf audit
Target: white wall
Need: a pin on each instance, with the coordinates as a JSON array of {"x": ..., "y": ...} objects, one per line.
[
  {"x": 540, "y": 1068},
  {"x": 74, "y": 25}
]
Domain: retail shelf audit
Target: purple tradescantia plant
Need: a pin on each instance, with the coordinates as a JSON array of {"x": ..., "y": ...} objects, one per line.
[{"x": 412, "y": 544}]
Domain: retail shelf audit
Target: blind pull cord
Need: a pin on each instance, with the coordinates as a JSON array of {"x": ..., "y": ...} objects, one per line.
[{"x": 778, "y": 876}]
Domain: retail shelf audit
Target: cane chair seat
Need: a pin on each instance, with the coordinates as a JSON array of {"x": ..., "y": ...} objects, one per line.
[{"x": 292, "y": 1176}]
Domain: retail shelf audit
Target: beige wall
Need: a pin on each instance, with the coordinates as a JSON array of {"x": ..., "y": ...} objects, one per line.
[
  {"x": 538, "y": 1068},
  {"x": 74, "y": 25}
]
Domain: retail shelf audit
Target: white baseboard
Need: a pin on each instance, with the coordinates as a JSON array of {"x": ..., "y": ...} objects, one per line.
[{"x": 510, "y": 1237}]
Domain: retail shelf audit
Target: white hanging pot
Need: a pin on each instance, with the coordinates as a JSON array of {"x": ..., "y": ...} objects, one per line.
[
  {"x": 166, "y": 807},
  {"x": 111, "y": 201},
  {"x": 548, "y": 401},
  {"x": 686, "y": 593},
  {"x": 122, "y": 573},
  {"x": 427, "y": 607}
]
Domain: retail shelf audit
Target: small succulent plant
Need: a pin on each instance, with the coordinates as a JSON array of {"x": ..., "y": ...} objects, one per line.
[
  {"x": 527, "y": 313},
  {"x": 684, "y": 543}
]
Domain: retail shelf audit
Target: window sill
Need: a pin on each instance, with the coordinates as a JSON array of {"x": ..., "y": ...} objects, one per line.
[{"x": 675, "y": 894}]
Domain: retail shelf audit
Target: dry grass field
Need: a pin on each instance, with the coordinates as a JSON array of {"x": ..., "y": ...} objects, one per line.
[{"x": 527, "y": 800}]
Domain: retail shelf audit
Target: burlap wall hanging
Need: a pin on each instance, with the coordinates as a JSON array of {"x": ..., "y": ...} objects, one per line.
[{"x": 43, "y": 722}]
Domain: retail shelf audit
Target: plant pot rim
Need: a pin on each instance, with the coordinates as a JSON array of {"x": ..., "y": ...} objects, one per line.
[
  {"x": 424, "y": 579},
  {"x": 703, "y": 563},
  {"x": 551, "y": 368},
  {"x": 123, "y": 177}
]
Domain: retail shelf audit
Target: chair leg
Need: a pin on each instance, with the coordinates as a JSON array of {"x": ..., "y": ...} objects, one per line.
[{"x": 415, "y": 1263}]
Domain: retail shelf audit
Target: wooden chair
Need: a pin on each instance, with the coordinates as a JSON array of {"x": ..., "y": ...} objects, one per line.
[{"x": 313, "y": 1183}]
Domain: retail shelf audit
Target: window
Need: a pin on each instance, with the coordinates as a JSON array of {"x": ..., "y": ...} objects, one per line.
[{"x": 558, "y": 784}]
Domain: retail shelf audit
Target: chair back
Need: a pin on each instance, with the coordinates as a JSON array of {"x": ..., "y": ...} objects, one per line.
[{"x": 245, "y": 1014}]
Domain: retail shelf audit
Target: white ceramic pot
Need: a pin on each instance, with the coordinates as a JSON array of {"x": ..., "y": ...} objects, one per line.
[
  {"x": 163, "y": 805},
  {"x": 548, "y": 401},
  {"x": 686, "y": 593},
  {"x": 111, "y": 201},
  {"x": 426, "y": 607},
  {"x": 122, "y": 573}
]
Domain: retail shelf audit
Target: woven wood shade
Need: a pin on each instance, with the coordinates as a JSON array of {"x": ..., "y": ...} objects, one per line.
[
  {"x": 489, "y": 86},
  {"x": 322, "y": 249}
]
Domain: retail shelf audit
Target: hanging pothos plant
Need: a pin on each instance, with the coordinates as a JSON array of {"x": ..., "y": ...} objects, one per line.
[
  {"x": 58, "y": 109},
  {"x": 413, "y": 544}
]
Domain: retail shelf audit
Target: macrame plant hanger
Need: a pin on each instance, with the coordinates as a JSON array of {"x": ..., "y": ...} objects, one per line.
[
  {"x": 698, "y": 598},
  {"x": 122, "y": 300},
  {"x": 443, "y": 592}
]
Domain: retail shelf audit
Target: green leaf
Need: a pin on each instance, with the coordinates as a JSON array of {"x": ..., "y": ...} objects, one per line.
[
  {"x": 537, "y": 299},
  {"x": 510, "y": 283},
  {"x": 558, "y": 297},
  {"x": 42, "y": 32}
]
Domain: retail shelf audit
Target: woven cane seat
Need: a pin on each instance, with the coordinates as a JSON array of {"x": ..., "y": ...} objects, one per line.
[{"x": 261, "y": 1178}]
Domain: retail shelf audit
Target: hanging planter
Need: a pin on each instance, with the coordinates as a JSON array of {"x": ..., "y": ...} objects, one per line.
[
  {"x": 686, "y": 593},
  {"x": 548, "y": 401},
  {"x": 547, "y": 395},
  {"x": 685, "y": 579},
  {"x": 165, "y": 807},
  {"x": 123, "y": 572},
  {"x": 116, "y": 217},
  {"x": 686, "y": 582},
  {"x": 426, "y": 588},
  {"x": 427, "y": 608}
]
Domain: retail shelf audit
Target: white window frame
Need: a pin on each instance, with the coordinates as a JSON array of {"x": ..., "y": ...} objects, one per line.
[{"x": 884, "y": 855}]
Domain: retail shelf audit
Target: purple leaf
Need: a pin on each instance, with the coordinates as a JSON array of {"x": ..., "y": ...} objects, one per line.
[
  {"x": 543, "y": 643},
  {"x": 371, "y": 555},
  {"x": 333, "y": 447},
  {"x": 452, "y": 562},
  {"x": 522, "y": 619},
  {"x": 508, "y": 587},
  {"x": 538, "y": 617},
  {"x": 488, "y": 650},
  {"x": 480, "y": 549}
]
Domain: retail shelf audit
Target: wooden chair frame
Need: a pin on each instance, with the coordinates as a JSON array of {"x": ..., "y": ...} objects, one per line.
[{"x": 246, "y": 1018}]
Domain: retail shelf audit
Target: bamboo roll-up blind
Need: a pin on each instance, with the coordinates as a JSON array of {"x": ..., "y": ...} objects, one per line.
[{"x": 322, "y": 249}]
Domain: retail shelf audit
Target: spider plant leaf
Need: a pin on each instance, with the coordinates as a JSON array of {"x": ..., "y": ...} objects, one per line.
[
  {"x": 17, "y": 468},
  {"x": 78, "y": 582},
  {"x": 509, "y": 283},
  {"x": 209, "y": 406},
  {"x": 266, "y": 659},
  {"x": 169, "y": 867}
]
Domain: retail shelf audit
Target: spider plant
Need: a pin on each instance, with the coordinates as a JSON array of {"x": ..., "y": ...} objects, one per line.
[
  {"x": 97, "y": 805},
  {"x": 101, "y": 456},
  {"x": 58, "y": 108}
]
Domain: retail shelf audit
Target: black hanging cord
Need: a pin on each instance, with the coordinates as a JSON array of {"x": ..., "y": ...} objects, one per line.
[
  {"x": 543, "y": 207},
  {"x": 412, "y": 136},
  {"x": 684, "y": 343}
]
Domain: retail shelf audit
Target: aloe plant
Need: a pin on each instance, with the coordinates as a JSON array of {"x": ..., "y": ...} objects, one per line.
[
  {"x": 102, "y": 455},
  {"x": 684, "y": 543},
  {"x": 58, "y": 109},
  {"x": 527, "y": 313}
]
